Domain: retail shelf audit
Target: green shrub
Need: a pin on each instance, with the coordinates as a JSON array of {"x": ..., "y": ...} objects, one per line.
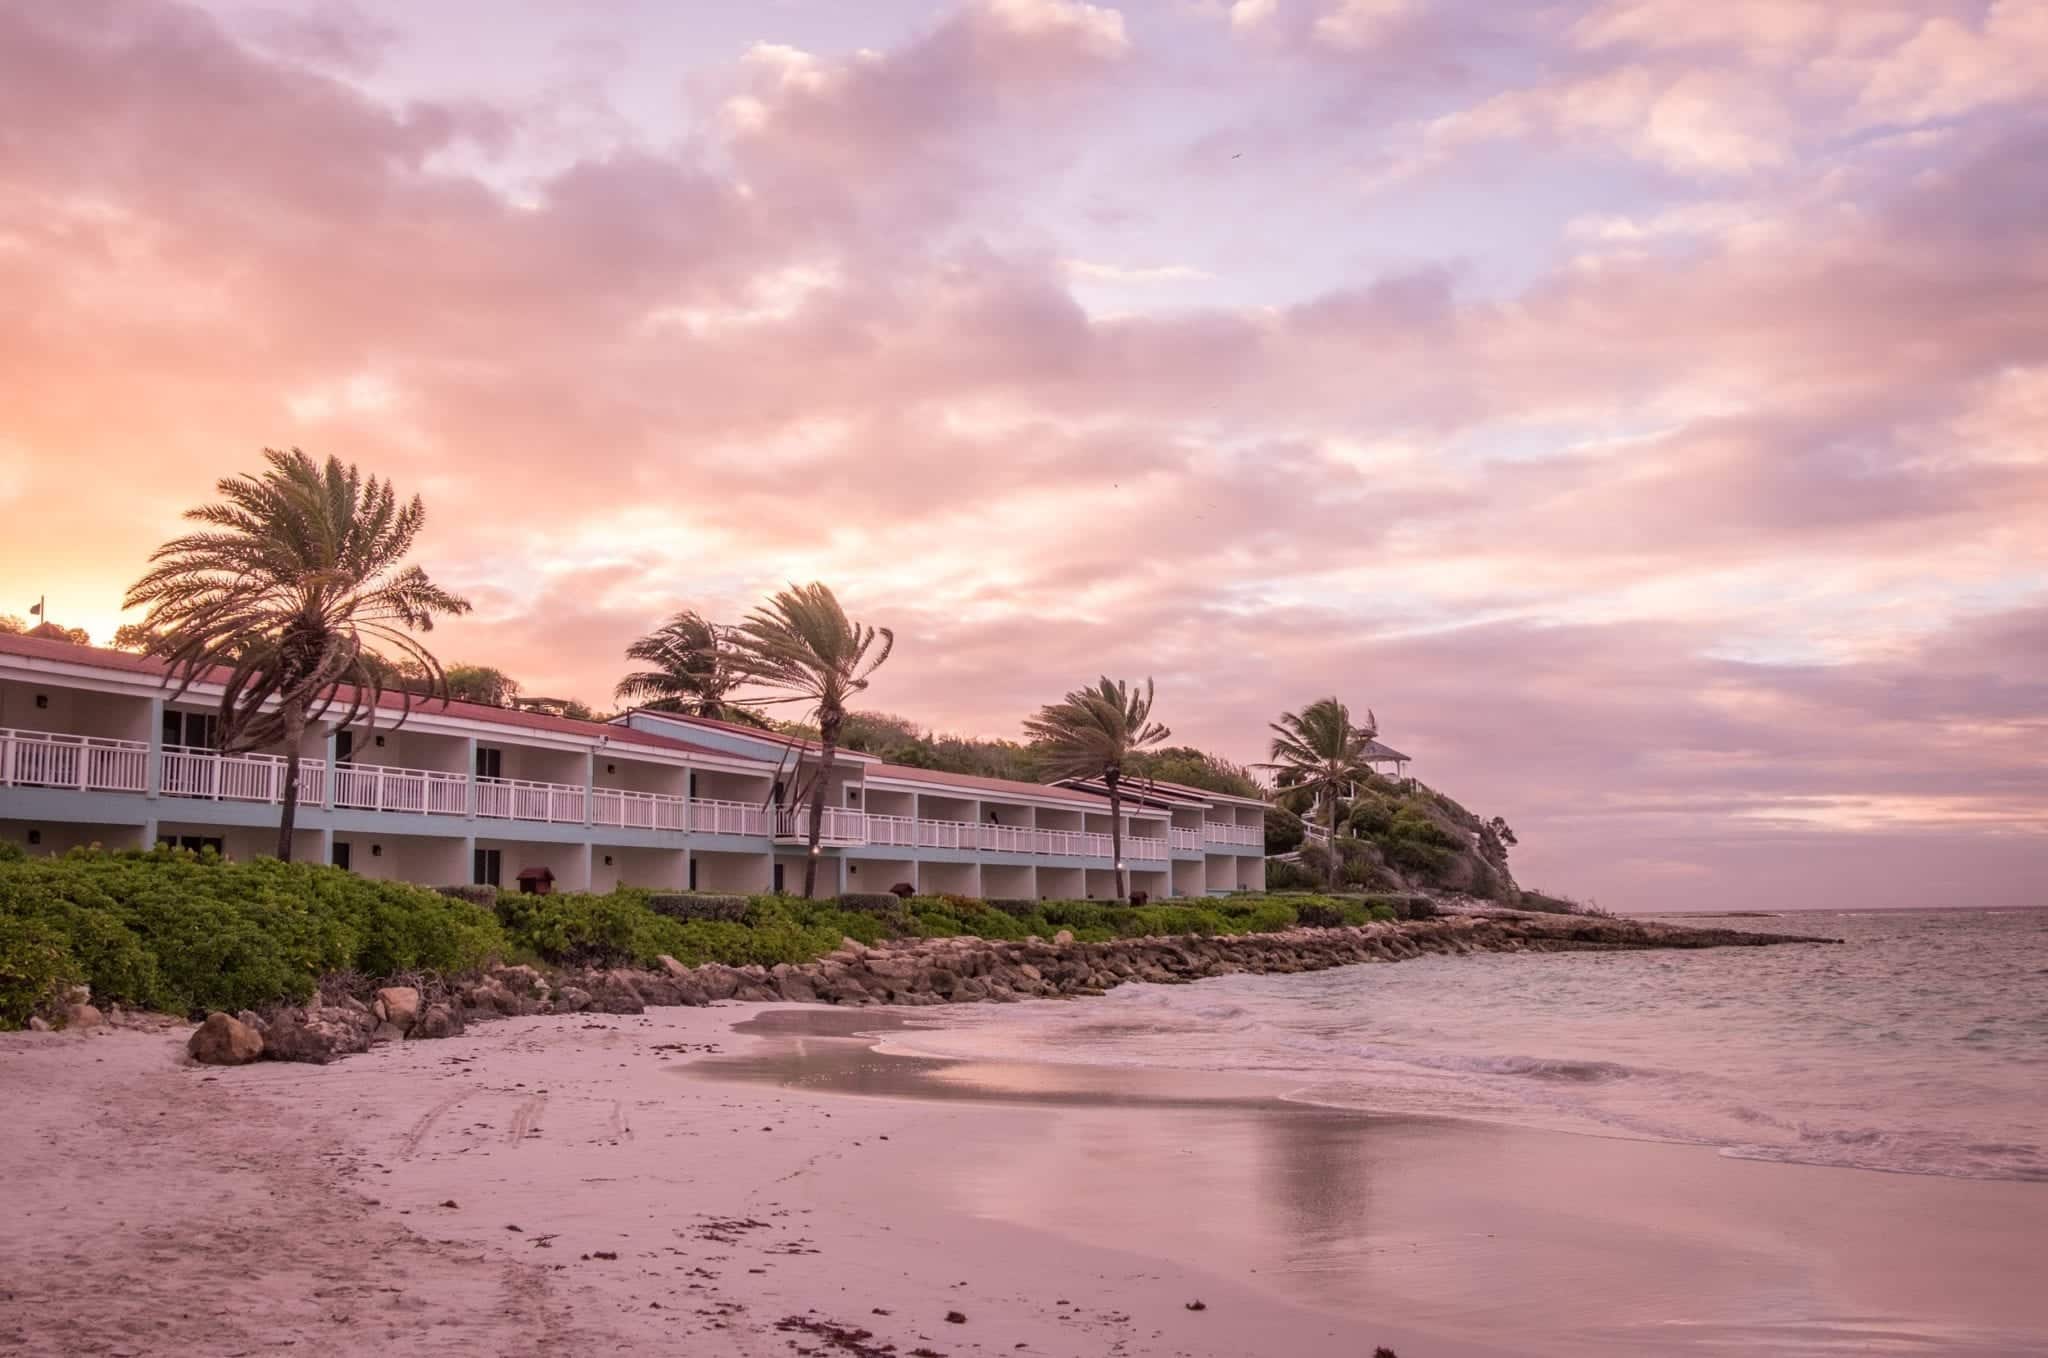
[
  {"x": 873, "y": 902},
  {"x": 698, "y": 905},
  {"x": 181, "y": 932},
  {"x": 10, "y": 852},
  {"x": 35, "y": 964}
]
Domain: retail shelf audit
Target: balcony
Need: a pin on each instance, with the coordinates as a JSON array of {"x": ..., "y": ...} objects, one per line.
[
  {"x": 517, "y": 799},
  {"x": 82, "y": 763},
  {"x": 636, "y": 810},
  {"x": 710, "y": 816},
  {"x": 961, "y": 834},
  {"x": 424, "y": 792},
  {"x": 209, "y": 775},
  {"x": 1222, "y": 832},
  {"x": 1184, "y": 839},
  {"x": 840, "y": 827}
]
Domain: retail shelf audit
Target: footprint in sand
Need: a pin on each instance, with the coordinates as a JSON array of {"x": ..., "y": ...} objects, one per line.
[{"x": 526, "y": 1118}]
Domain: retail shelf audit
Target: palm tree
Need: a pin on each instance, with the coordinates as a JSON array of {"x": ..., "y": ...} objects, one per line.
[
  {"x": 287, "y": 597},
  {"x": 1317, "y": 751},
  {"x": 1092, "y": 733},
  {"x": 695, "y": 665},
  {"x": 802, "y": 646}
]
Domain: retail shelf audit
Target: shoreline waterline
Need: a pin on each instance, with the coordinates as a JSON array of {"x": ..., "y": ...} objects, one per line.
[{"x": 1570, "y": 1242}]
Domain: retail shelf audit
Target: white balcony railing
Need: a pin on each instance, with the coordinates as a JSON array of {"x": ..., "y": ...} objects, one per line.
[
  {"x": 840, "y": 825},
  {"x": 82, "y": 763},
  {"x": 1144, "y": 847},
  {"x": 424, "y": 792},
  {"x": 1222, "y": 832},
  {"x": 636, "y": 810},
  {"x": 517, "y": 799},
  {"x": 900, "y": 830},
  {"x": 1184, "y": 839},
  {"x": 189, "y": 771},
  {"x": 711, "y": 816}
]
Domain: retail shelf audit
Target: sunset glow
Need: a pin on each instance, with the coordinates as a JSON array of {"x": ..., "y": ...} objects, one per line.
[{"x": 1642, "y": 405}]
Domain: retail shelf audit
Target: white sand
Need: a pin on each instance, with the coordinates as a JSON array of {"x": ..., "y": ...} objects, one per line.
[
  {"x": 151, "y": 1207},
  {"x": 159, "y": 1208}
]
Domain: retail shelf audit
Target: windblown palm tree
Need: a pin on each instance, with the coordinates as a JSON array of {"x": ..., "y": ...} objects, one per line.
[
  {"x": 1092, "y": 733},
  {"x": 801, "y": 646},
  {"x": 294, "y": 598},
  {"x": 1317, "y": 751},
  {"x": 695, "y": 666}
]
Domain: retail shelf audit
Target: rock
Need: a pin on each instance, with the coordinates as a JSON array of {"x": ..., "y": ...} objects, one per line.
[
  {"x": 38, "y": 1024},
  {"x": 522, "y": 980},
  {"x": 386, "y": 1031},
  {"x": 82, "y": 1017},
  {"x": 671, "y": 966},
  {"x": 437, "y": 1020},
  {"x": 399, "y": 1005},
  {"x": 720, "y": 982},
  {"x": 1063, "y": 938},
  {"x": 249, "y": 1018},
  {"x": 314, "y": 1035},
  {"x": 616, "y": 994},
  {"x": 224, "y": 1041},
  {"x": 574, "y": 999},
  {"x": 794, "y": 985}
]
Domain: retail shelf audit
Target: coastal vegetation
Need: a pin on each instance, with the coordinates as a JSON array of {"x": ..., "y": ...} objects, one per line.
[
  {"x": 802, "y": 648},
  {"x": 693, "y": 666},
  {"x": 1320, "y": 753},
  {"x": 295, "y": 596},
  {"x": 1092, "y": 733},
  {"x": 184, "y": 933}
]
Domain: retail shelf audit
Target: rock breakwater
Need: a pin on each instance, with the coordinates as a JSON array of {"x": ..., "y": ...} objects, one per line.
[{"x": 925, "y": 972}]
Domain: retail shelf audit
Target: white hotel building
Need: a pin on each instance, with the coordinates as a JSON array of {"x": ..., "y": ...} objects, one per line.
[{"x": 94, "y": 749}]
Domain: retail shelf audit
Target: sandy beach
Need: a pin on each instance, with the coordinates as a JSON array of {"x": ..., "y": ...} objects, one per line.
[{"x": 752, "y": 1180}]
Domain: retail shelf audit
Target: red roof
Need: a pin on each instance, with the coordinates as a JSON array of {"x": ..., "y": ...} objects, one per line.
[
  {"x": 804, "y": 743},
  {"x": 971, "y": 780},
  {"x": 128, "y": 662}
]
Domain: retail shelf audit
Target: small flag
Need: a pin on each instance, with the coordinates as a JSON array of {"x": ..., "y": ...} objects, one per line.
[{"x": 37, "y": 611}]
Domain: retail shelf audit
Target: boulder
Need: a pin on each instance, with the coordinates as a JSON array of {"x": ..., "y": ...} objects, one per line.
[
  {"x": 616, "y": 994},
  {"x": 398, "y": 1005},
  {"x": 314, "y": 1035},
  {"x": 437, "y": 1020},
  {"x": 386, "y": 1031},
  {"x": 224, "y": 1041},
  {"x": 38, "y": 1024},
  {"x": 572, "y": 999},
  {"x": 1063, "y": 938},
  {"x": 82, "y": 1017}
]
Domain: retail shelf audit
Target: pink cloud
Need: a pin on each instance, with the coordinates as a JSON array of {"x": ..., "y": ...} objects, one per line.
[{"x": 834, "y": 331}]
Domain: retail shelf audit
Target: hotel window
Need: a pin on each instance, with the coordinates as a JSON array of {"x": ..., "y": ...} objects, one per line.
[
  {"x": 488, "y": 865},
  {"x": 194, "y": 729},
  {"x": 196, "y": 843},
  {"x": 490, "y": 763},
  {"x": 344, "y": 750},
  {"x": 341, "y": 854}
]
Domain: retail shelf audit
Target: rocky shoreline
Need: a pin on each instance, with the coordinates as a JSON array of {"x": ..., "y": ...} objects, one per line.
[{"x": 921, "y": 971}]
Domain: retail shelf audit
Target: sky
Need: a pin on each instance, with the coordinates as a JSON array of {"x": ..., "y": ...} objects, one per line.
[{"x": 1640, "y": 405}]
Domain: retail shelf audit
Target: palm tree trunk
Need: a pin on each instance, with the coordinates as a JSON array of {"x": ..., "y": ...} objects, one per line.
[
  {"x": 1336, "y": 862},
  {"x": 1116, "y": 832},
  {"x": 287, "y": 820},
  {"x": 828, "y": 732}
]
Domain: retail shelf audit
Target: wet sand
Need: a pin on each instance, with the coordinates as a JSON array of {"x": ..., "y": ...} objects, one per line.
[
  {"x": 666, "y": 1184},
  {"x": 1539, "y": 1242}
]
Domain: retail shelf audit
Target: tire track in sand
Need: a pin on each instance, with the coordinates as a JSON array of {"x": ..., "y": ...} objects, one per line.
[{"x": 409, "y": 1144}]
